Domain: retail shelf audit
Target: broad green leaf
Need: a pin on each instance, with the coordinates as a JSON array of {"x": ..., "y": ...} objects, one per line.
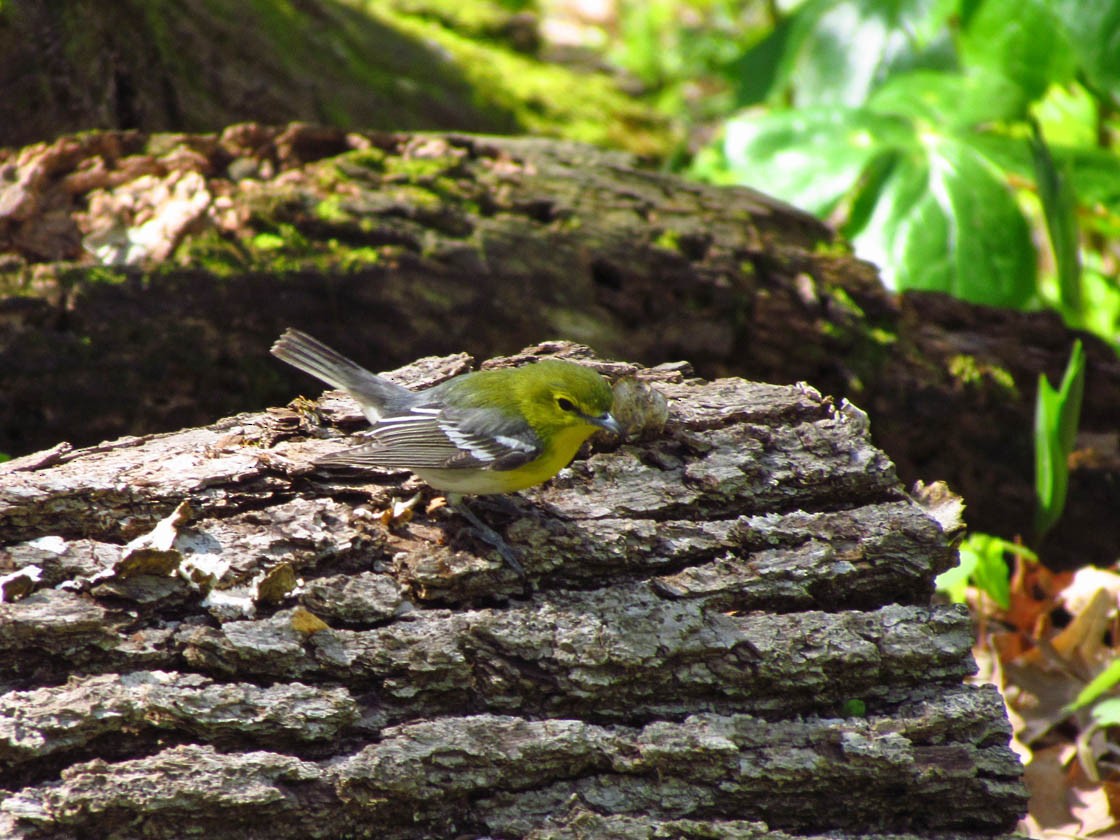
[
  {"x": 983, "y": 561},
  {"x": 1095, "y": 174},
  {"x": 946, "y": 99},
  {"x": 865, "y": 195},
  {"x": 947, "y": 222},
  {"x": 1023, "y": 40},
  {"x": 992, "y": 576},
  {"x": 954, "y": 582},
  {"x": 1107, "y": 712},
  {"x": 1102, "y": 302},
  {"x": 1106, "y": 680},
  {"x": 754, "y": 75},
  {"x": 838, "y": 51},
  {"x": 811, "y": 157},
  {"x": 1068, "y": 116},
  {"x": 1095, "y": 34}
]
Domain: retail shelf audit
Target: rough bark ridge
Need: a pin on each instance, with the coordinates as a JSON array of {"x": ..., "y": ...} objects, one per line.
[{"x": 730, "y": 635}]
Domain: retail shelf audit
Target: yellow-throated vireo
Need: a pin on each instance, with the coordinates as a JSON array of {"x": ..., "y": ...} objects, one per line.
[{"x": 490, "y": 431}]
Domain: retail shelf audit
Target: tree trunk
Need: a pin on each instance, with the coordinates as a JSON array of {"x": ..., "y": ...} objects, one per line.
[
  {"x": 393, "y": 246},
  {"x": 729, "y": 634}
]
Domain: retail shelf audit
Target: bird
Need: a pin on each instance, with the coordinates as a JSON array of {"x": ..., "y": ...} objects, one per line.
[{"x": 479, "y": 433}]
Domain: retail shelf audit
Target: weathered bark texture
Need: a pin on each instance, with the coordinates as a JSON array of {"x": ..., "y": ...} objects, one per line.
[
  {"x": 195, "y": 65},
  {"x": 730, "y": 635},
  {"x": 393, "y": 246}
]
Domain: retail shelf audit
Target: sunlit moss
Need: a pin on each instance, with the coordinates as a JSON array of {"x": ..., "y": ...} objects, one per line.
[
  {"x": 969, "y": 371},
  {"x": 670, "y": 240}
]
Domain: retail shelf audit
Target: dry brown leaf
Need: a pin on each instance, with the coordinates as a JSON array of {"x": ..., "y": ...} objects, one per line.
[
  {"x": 1033, "y": 595},
  {"x": 1082, "y": 643},
  {"x": 1091, "y": 810},
  {"x": 1084, "y": 587},
  {"x": 1047, "y": 782}
]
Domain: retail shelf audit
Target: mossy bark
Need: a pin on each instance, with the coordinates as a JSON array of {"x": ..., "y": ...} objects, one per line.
[
  {"x": 397, "y": 245},
  {"x": 729, "y": 634},
  {"x": 198, "y": 65}
]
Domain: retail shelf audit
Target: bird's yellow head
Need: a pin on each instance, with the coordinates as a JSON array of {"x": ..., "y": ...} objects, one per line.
[
  {"x": 566, "y": 400},
  {"x": 562, "y": 402}
]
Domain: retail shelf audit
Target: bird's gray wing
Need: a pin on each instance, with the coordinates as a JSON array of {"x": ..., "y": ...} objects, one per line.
[{"x": 431, "y": 437}]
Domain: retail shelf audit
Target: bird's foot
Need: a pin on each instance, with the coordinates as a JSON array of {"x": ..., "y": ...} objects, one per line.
[{"x": 492, "y": 538}]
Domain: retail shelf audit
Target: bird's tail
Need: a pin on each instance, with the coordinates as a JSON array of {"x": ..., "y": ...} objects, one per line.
[{"x": 376, "y": 395}]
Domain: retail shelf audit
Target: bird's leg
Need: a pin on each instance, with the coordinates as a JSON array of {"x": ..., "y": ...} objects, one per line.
[{"x": 487, "y": 535}]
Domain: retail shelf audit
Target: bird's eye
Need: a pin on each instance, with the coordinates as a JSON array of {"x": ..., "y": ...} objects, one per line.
[{"x": 565, "y": 404}]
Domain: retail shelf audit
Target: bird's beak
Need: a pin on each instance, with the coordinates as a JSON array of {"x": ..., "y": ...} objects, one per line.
[{"x": 606, "y": 421}]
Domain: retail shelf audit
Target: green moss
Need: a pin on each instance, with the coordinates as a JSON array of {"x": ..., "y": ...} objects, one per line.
[
  {"x": 546, "y": 99},
  {"x": 965, "y": 369},
  {"x": 415, "y": 196},
  {"x": 267, "y": 242},
  {"x": 417, "y": 170},
  {"x": 210, "y": 251},
  {"x": 969, "y": 371},
  {"x": 670, "y": 240},
  {"x": 882, "y": 337},
  {"x": 330, "y": 210},
  {"x": 484, "y": 20},
  {"x": 355, "y": 259},
  {"x": 104, "y": 274},
  {"x": 1004, "y": 379},
  {"x": 831, "y": 330},
  {"x": 372, "y": 159},
  {"x": 838, "y": 247},
  {"x": 279, "y": 249},
  {"x": 843, "y": 300}
]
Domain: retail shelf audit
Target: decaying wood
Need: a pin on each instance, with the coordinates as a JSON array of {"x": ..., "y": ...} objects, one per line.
[
  {"x": 395, "y": 245},
  {"x": 729, "y": 635}
]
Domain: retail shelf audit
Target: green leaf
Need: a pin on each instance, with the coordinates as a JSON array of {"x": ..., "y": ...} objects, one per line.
[
  {"x": 1106, "y": 680},
  {"x": 754, "y": 75},
  {"x": 1095, "y": 34},
  {"x": 810, "y": 157},
  {"x": 992, "y": 575},
  {"x": 1050, "y": 480},
  {"x": 932, "y": 211},
  {"x": 1069, "y": 115},
  {"x": 838, "y": 51},
  {"x": 983, "y": 561},
  {"x": 949, "y": 100},
  {"x": 954, "y": 582},
  {"x": 1059, "y": 207},
  {"x": 1071, "y": 393},
  {"x": 1102, "y": 301},
  {"x": 1022, "y": 40},
  {"x": 1057, "y": 414},
  {"x": 1095, "y": 174},
  {"x": 1107, "y": 712},
  {"x": 947, "y": 222}
]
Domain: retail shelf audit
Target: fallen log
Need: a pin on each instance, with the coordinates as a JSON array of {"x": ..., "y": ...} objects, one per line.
[{"x": 729, "y": 634}]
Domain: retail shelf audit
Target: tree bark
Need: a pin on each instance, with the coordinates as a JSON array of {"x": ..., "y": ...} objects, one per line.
[
  {"x": 393, "y": 246},
  {"x": 729, "y": 635}
]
